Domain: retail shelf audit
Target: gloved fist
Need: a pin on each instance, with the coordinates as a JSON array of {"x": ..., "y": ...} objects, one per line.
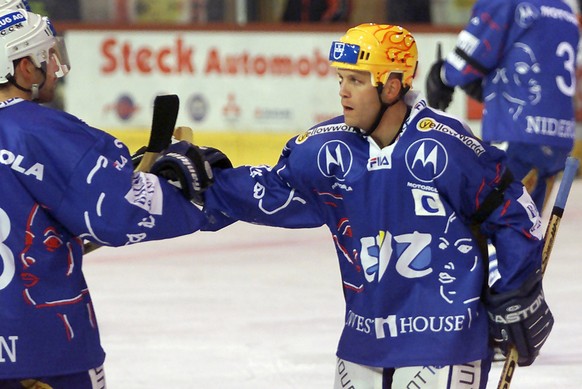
[
  {"x": 216, "y": 158},
  {"x": 474, "y": 89},
  {"x": 438, "y": 95},
  {"x": 183, "y": 165},
  {"x": 521, "y": 318}
]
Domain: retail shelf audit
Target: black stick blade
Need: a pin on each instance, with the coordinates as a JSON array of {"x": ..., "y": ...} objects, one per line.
[{"x": 163, "y": 122}]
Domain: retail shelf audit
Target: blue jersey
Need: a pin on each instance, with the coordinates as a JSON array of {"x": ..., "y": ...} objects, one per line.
[
  {"x": 525, "y": 52},
  {"x": 61, "y": 182},
  {"x": 400, "y": 219}
]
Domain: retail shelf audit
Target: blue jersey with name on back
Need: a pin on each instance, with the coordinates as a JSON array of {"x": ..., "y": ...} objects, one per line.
[
  {"x": 525, "y": 51},
  {"x": 399, "y": 217},
  {"x": 62, "y": 181}
]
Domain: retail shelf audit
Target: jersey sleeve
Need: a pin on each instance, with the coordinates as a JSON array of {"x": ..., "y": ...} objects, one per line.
[
  {"x": 480, "y": 45},
  {"x": 513, "y": 224},
  {"x": 268, "y": 195},
  {"x": 98, "y": 196}
]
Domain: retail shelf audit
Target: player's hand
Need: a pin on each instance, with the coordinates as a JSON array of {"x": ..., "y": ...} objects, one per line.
[
  {"x": 474, "y": 89},
  {"x": 183, "y": 166},
  {"x": 189, "y": 168},
  {"x": 438, "y": 95},
  {"x": 216, "y": 158},
  {"x": 521, "y": 318}
]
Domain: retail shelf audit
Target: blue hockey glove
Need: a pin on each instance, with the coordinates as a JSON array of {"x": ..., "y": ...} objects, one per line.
[
  {"x": 474, "y": 89},
  {"x": 216, "y": 158},
  {"x": 521, "y": 318},
  {"x": 438, "y": 95},
  {"x": 183, "y": 165}
]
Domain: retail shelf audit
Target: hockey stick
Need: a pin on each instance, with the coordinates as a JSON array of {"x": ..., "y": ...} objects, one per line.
[
  {"x": 550, "y": 236},
  {"x": 184, "y": 133},
  {"x": 163, "y": 121},
  {"x": 530, "y": 180}
]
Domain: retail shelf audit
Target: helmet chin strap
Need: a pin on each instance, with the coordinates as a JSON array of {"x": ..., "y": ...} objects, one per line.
[
  {"x": 383, "y": 108},
  {"x": 34, "y": 88}
]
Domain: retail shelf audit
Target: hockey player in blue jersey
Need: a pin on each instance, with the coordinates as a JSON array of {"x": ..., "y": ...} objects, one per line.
[
  {"x": 61, "y": 182},
  {"x": 510, "y": 57},
  {"x": 408, "y": 195}
]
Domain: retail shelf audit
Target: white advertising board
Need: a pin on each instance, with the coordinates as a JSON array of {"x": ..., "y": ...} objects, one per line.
[{"x": 226, "y": 80}]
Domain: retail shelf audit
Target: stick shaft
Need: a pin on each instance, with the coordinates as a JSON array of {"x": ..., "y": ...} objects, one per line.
[{"x": 163, "y": 122}]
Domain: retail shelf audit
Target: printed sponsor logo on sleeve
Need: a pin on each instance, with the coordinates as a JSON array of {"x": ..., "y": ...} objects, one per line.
[
  {"x": 146, "y": 193},
  {"x": 467, "y": 42},
  {"x": 324, "y": 130},
  {"x": 534, "y": 216},
  {"x": 429, "y": 124}
]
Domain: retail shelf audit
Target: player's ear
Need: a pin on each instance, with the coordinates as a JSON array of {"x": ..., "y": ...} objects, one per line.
[
  {"x": 392, "y": 89},
  {"x": 25, "y": 69}
]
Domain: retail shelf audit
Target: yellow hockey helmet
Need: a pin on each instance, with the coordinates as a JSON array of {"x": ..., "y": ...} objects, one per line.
[{"x": 379, "y": 49}]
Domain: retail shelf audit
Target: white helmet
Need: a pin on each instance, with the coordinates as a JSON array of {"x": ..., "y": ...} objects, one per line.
[
  {"x": 21, "y": 4},
  {"x": 26, "y": 34}
]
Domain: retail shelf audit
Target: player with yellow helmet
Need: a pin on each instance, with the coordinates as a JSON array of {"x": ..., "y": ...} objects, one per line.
[{"x": 402, "y": 189}]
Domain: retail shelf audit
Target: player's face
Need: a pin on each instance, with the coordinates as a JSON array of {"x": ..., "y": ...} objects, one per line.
[
  {"x": 359, "y": 98},
  {"x": 47, "y": 92}
]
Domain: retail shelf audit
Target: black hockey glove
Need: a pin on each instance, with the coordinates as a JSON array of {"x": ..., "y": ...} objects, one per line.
[
  {"x": 521, "y": 318},
  {"x": 183, "y": 165},
  {"x": 474, "y": 89},
  {"x": 438, "y": 95}
]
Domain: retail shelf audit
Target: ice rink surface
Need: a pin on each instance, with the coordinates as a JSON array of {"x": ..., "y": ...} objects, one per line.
[{"x": 261, "y": 308}]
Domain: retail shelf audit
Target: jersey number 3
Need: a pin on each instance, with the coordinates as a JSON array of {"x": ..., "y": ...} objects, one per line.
[
  {"x": 7, "y": 269},
  {"x": 566, "y": 51}
]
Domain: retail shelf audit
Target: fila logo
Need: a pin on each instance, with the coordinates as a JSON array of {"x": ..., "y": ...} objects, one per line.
[
  {"x": 379, "y": 163},
  {"x": 426, "y": 159},
  {"x": 335, "y": 159},
  {"x": 427, "y": 203}
]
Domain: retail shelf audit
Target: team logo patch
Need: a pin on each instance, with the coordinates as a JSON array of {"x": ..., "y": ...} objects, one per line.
[
  {"x": 335, "y": 159},
  {"x": 344, "y": 52},
  {"x": 426, "y": 159}
]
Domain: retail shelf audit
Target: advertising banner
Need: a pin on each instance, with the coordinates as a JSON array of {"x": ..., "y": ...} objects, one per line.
[{"x": 226, "y": 80}]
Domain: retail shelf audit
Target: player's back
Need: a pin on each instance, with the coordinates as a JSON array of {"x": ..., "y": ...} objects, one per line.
[{"x": 528, "y": 96}]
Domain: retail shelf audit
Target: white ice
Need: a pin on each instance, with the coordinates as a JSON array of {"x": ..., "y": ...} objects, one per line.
[{"x": 261, "y": 308}]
